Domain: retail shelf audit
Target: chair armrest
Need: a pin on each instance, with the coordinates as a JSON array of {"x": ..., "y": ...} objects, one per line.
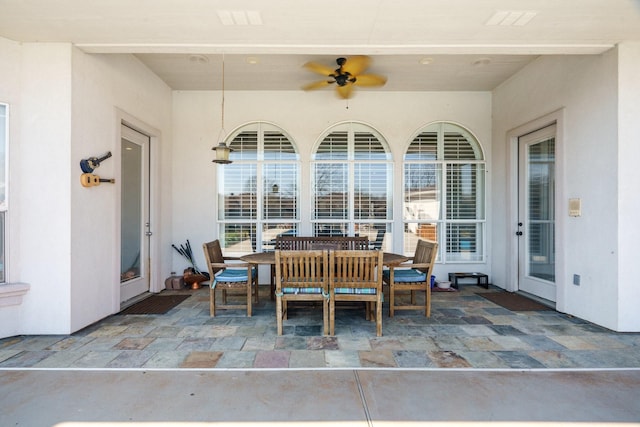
[
  {"x": 401, "y": 265},
  {"x": 420, "y": 265},
  {"x": 231, "y": 265}
]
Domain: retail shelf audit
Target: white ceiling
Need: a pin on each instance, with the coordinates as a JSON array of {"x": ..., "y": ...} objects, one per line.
[{"x": 462, "y": 41}]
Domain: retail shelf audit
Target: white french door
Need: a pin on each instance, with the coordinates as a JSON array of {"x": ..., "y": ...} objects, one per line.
[
  {"x": 536, "y": 213},
  {"x": 134, "y": 214}
]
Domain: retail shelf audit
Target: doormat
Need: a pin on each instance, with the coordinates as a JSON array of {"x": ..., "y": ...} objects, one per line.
[
  {"x": 514, "y": 302},
  {"x": 155, "y": 304}
]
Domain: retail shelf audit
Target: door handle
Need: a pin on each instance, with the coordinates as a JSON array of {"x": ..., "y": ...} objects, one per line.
[{"x": 518, "y": 233}]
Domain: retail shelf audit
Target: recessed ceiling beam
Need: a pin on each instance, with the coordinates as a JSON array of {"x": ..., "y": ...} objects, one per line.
[{"x": 423, "y": 49}]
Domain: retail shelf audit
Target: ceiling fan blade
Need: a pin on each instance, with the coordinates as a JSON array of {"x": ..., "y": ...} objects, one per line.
[
  {"x": 345, "y": 91},
  {"x": 316, "y": 85},
  {"x": 370, "y": 80},
  {"x": 356, "y": 64},
  {"x": 319, "y": 68}
]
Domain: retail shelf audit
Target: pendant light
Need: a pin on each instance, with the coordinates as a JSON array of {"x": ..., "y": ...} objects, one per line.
[{"x": 222, "y": 150}]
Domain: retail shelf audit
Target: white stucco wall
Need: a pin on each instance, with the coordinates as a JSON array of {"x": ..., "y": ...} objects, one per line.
[
  {"x": 106, "y": 87},
  {"x": 63, "y": 239},
  {"x": 10, "y": 66},
  {"x": 586, "y": 88},
  {"x": 304, "y": 116},
  {"x": 629, "y": 184},
  {"x": 41, "y": 192}
]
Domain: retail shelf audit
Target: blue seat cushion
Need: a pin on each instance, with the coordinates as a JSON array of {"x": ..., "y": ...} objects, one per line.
[
  {"x": 233, "y": 275},
  {"x": 296, "y": 291},
  {"x": 301, "y": 290},
  {"x": 356, "y": 291},
  {"x": 405, "y": 276}
]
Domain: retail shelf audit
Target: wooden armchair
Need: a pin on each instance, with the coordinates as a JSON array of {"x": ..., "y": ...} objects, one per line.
[
  {"x": 355, "y": 275},
  {"x": 229, "y": 276},
  {"x": 301, "y": 276},
  {"x": 413, "y": 276},
  {"x": 305, "y": 243}
]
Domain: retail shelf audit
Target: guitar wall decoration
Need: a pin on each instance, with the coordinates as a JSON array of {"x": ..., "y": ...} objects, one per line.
[
  {"x": 88, "y": 179},
  {"x": 88, "y": 165},
  {"x": 91, "y": 180}
]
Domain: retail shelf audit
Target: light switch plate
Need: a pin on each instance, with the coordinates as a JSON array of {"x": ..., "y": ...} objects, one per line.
[{"x": 575, "y": 207}]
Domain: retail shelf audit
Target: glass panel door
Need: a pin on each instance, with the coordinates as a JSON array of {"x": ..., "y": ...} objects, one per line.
[
  {"x": 134, "y": 225},
  {"x": 536, "y": 227}
]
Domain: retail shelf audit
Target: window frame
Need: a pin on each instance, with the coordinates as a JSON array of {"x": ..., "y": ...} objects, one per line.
[
  {"x": 443, "y": 165},
  {"x": 352, "y": 224},
  {"x": 4, "y": 184},
  {"x": 259, "y": 162}
]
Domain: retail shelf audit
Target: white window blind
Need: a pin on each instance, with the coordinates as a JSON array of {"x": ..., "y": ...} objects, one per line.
[
  {"x": 444, "y": 192},
  {"x": 330, "y": 190},
  {"x": 422, "y": 183},
  {"x": 258, "y": 193},
  {"x": 239, "y": 197},
  {"x": 334, "y": 146},
  {"x": 280, "y": 190},
  {"x": 278, "y": 147},
  {"x": 245, "y": 146},
  {"x": 423, "y": 147},
  {"x": 352, "y": 182},
  {"x": 371, "y": 190},
  {"x": 465, "y": 182}
]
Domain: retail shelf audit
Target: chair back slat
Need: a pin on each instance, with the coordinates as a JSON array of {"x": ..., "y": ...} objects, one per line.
[
  {"x": 213, "y": 254},
  {"x": 355, "y": 269},
  {"x": 301, "y": 269},
  {"x": 426, "y": 251}
]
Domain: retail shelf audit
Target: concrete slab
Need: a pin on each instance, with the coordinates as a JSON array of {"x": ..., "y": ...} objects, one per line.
[
  {"x": 502, "y": 396},
  {"x": 373, "y": 398}
]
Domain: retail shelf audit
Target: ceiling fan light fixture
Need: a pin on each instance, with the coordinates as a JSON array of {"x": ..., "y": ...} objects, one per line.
[{"x": 350, "y": 73}]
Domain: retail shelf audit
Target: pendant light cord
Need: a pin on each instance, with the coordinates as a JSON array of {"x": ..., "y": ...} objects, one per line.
[{"x": 223, "y": 131}]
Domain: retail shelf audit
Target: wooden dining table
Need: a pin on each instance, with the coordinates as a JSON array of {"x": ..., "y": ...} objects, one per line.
[{"x": 269, "y": 258}]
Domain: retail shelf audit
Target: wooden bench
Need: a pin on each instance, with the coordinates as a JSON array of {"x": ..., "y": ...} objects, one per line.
[{"x": 302, "y": 243}]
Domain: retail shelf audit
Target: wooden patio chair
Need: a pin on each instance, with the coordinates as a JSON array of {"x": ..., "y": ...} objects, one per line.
[
  {"x": 412, "y": 276},
  {"x": 301, "y": 276},
  {"x": 229, "y": 276},
  {"x": 377, "y": 243},
  {"x": 356, "y": 275}
]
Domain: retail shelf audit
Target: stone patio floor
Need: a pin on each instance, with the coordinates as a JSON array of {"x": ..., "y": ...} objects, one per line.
[{"x": 465, "y": 330}]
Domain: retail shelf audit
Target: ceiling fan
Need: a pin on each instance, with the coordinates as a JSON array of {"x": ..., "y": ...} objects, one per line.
[{"x": 346, "y": 76}]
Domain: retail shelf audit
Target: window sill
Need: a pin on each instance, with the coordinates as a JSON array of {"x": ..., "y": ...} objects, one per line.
[{"x": 11, "y": 293}]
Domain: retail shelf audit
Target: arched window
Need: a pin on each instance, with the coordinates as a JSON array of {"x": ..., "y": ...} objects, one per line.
[
  {"x": 259, "y": 192},
  {"x": 352, "y": 184},
  {"x": 444, "y": 192}
]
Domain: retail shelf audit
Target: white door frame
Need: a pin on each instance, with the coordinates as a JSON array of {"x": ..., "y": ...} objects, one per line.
[
  {"x": 140, "y": 282},
  {"x": 527, "y": 282},
  {"x": 561, "y": 203},
  {"x": 156, "y": 283}
]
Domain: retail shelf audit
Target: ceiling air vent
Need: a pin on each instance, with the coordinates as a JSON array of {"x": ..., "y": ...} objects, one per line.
[{"x": 511, "y": 18}]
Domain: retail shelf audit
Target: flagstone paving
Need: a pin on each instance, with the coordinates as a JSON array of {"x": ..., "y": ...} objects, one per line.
[{"x": 464, "y": 331}]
